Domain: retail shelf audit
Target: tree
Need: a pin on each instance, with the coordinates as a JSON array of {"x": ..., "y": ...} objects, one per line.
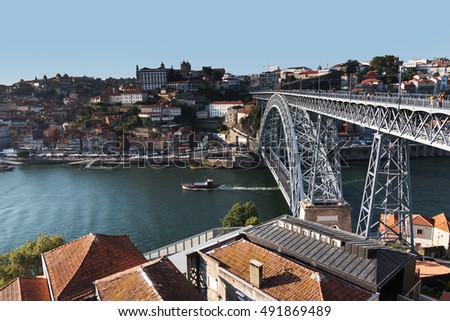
[
  {"x": 23, "y": 154},
  {"x": 26, "y": 260},
  {"x": 387, "y": 66},
  {"x": 409, "y": 73},
  {"x": 241, "y": 215},
  {"x": 351, "y": 67}
]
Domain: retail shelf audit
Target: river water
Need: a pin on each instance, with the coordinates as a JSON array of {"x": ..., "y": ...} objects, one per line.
[{"x": 151, "y": 208}]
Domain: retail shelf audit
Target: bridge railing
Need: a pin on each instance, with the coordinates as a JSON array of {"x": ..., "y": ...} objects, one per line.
[
  {"x": 189, "y": 242},
  {"x": 414, "y": 100}
]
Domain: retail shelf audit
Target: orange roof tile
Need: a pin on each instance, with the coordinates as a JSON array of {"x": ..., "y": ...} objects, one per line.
[
  {"x": 442, "y": 222},
  {"x": 422, "y": 220},
  {"x": 26, "y": 289},
  {"x": 431, "y": 268},
  {"x": 72, "y": 268},
  {"x": 158, "y": 280},
  {"x": 284, "y": 279}
]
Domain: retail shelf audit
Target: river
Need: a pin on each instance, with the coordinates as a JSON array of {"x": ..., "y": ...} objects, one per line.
[{"x": 151, "y": 208}]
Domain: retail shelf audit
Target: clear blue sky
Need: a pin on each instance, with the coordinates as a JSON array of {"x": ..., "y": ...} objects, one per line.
[{"x": 108, "y": 38}]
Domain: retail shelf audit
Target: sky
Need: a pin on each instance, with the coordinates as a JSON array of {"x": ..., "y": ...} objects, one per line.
[{"x": 109, "y": 38}]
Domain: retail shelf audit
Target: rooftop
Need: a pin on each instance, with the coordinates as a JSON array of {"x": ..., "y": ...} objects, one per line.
[
  {"x": 366, "y": 263},
  {"x": 26, "y": 289},
  {"x": 73, "y": 267},
  {"x": 430, "y": 268},
  {"x": 158, "y": 280},
  {"x": 284, "y": 279}
]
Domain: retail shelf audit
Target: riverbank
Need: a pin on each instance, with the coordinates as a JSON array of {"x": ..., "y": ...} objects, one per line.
[{"x": 210, "y": 159}]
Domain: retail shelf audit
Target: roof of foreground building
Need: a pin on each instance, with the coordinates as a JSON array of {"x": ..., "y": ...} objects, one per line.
[
  {"x": 26, "y": 289},
  {"x": 366, "y": 263},
  {"x": 158, "y": 280},
  {"x": 284, "y": 279},
  {"x": 73, "y": 267}
]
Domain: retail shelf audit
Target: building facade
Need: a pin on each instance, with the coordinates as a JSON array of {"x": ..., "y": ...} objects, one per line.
[
  {"x": 218, "y": 109},
  {"x": 5, "y": 138},
  {"x": 152, "y": 78}
]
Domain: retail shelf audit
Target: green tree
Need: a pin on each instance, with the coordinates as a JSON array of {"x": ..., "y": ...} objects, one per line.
[
  {"x": 26, "y": 260},
  {"x": 409, "y": 73},
  {"x": 351, "y": 67},
  {"x": 241, "y": 215},
  {"x": 387, "y": 67},
  {"x": 23, "y": 154}
]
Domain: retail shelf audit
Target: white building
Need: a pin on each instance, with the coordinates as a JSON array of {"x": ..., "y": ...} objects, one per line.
[
  {"x": 128, "y": 97},
  {"x": 133, "y": 96},
  {"x": 413, "y": 63},
  {"x": 219, "y": 108},
  {"x": 159, "y": 113},
  {"x": 152, "y": 78},
  {"x": 179, "y": 85},
  {"x": 431, "y": 234}
]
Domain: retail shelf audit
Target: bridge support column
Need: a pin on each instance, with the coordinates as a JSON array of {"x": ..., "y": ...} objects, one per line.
[
  {"x": 386, "y": 205},
  {"x": 327, "y": 214}
]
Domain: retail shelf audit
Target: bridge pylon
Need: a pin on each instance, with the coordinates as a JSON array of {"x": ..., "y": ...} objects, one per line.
[{"x": 385, "y": 211}]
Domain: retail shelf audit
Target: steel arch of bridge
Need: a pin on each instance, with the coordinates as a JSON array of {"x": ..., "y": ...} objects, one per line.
[
  {"x": 289, "y": 115},
  {"x": 299, "y": 152}
]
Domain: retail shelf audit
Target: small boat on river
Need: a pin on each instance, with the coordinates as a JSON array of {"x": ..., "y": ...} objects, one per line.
[
  {"x": 6, "y": 168},
  {"x": 206, "y": 185}
]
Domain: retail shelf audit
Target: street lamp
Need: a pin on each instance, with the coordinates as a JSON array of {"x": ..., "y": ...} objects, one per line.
[{"x": 400, "y": 85}]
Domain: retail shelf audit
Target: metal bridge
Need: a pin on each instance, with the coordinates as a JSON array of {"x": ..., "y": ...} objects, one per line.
[{"x": 298, "y": 141}]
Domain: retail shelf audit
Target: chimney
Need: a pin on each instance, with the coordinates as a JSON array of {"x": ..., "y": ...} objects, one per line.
[{"x": 256, "y": 273}]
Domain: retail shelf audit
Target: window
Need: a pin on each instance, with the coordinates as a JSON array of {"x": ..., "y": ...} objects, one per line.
[{"x": 419, "y": 231}]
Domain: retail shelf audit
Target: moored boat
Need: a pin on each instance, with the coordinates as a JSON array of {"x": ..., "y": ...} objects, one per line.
[
  {"x": 206, "y": 185},
  {"x": 6, "y": 168}
]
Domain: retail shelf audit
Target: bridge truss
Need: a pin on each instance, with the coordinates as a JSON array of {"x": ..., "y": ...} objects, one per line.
[
  {"x": 300, "y": 151},
  {"x": 298, "y": 141}
]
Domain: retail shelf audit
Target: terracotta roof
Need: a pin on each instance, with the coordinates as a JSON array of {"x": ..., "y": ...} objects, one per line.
[
  {"x": 158, "y": 280},
  {"x": 72, "y": 268},
  {"x": 442, "y": 222},
  {"x": 431, "y": 268},
  {"x": 422, "y": 220},
  {"x": 284, "y": 279},
  {"x": 26, "y": 289}
]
